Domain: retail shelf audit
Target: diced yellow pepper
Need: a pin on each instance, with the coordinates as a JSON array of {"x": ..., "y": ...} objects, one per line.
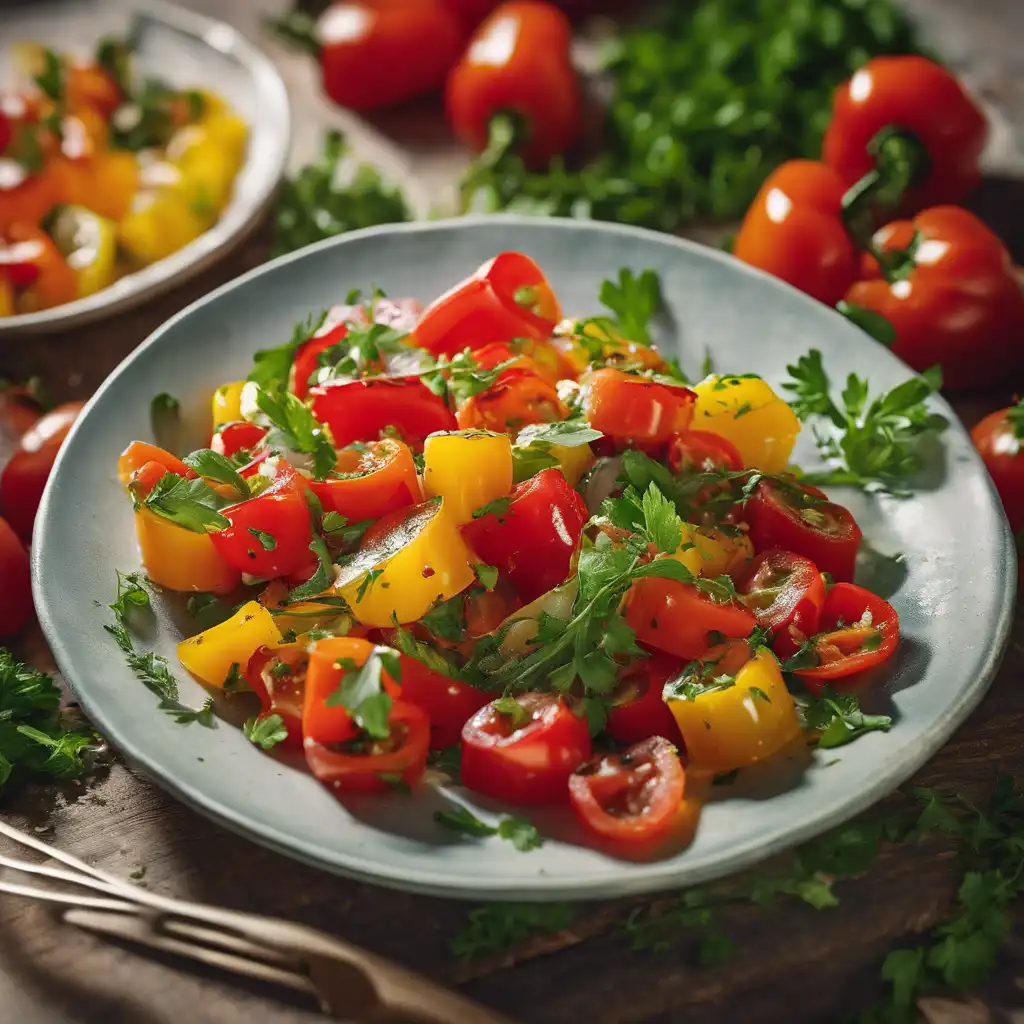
[
  {"x": 6, "y": 297},
  {"x": 404, "y": 570},
  {"x": 209, "y": 155},
  {"x": 180, "y": 559},
  {"x": 746, "y": 411},
  {"x": 227, "y": 403},
  {"x": 160, "y": 223},
  {"x": 468, "y": 469},
  {"x": 573, "y": 460},
  {"x": 89, "y": 244},
  {"x": 735, "y": 725},
  {"x": 720, "y": 552},
  {"x": 209, "y": 655}
]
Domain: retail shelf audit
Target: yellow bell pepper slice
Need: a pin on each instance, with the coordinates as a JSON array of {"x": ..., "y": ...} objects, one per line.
[
  {"x": 417, "y": 558},
  {"x": 6, "y": 297},
  {"x": 745, "y": 719},
  {"x": 209, "y": 155},
  {"x": 89, "y": 244},
  {"x": 209, "y": 655},
  {"x": 721, "y": 553},
  {"x": 180, "y": 559},
  {"x": 160, "y": 222},
  {"x": 468, "y": 469},
  {"x": 227, "y": 403},
  {"x": 746, "y": 411}
]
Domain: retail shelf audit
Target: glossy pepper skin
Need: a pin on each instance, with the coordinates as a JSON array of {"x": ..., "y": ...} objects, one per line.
[
  {"x": 794, "y": 230},
  {"x": 377, "y": 53},
  {"x": 950, "y": 295},
  {"x": 518, "y": 63},
  {"x": 914, "y": 96}
]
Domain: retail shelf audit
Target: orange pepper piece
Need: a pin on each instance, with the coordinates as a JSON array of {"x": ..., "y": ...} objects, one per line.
[{"x": 179, "y": 559}]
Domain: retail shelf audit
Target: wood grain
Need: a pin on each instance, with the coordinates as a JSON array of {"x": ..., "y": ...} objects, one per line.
[{"x": 794, "y": 964}]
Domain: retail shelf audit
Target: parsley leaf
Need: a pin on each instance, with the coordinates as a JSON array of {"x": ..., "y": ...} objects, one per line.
[
  {"x": 164, "y": 417},
  {"x": 487, "y": 575},
  {"x": 838, "y": 719},
  {"x": 662, "y": 525},
  {"x": 212, "y": 466},
  {"x": 272, "y": 366},
  {"x": 496, "y": 926},
  {"x": 634, "y": 300},
  {"x": 570, "y": 433},
  {"x": 875, "y": 443},
  {"x": 497, "y": 507},
  {"x": 295, "y": 428},
  {"x": 191, "y": 504},
  {"x": 361, "y": 692},
  {"x": 518, "y": 831},
  {"x": 321, "y": 580},
  {"x": 265, "y": 732},
  {"x": 341, "y": 532},
  {"x": 447, "y": 619}
]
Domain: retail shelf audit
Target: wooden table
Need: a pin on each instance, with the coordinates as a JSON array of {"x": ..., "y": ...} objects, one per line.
[{"x": 793, "y": 963}]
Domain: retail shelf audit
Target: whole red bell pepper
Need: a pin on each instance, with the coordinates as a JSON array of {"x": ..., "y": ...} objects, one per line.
[
  {"x": 905, "y": 132},
  {"x": 794, "y": 229},
  {"x": 533, "y": 540},
  {"x": 515, "y": 86},
  {"x": 946, "y": 284},
  {"x": 508, "y": 297},
  {"x": 377, "y": 53}
]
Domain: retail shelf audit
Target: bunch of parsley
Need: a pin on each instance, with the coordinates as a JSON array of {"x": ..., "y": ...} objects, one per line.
[{"x": 36, "y": 739}]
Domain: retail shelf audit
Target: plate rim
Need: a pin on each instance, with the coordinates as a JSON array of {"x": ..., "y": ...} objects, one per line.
[
  {"x": 428, "y": 881},
  {"x": 234, "y": 227}
]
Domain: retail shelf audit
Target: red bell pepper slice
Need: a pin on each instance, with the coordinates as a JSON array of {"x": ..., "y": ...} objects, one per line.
[{"x": 533, "y": 541}]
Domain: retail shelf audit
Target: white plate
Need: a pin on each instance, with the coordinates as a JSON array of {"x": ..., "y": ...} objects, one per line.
[{"x": 187, "y": 50}]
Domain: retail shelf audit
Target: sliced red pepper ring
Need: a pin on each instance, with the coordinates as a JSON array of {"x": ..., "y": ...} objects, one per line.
[
  {"x": 800, "y": 519},
  {"x": 507, "y": 298},
  {"x": 533, "y": 541},
  {"x": 635, "y": 410},
  {"x": 370, "y": 480},
  {"x": 857, "y": 631},
  {"x": 785, "y": 593},
  {"x": 516, "y": 399},
  {"x": 362, "y": 410},
  {"x": 632, "y": 796}
]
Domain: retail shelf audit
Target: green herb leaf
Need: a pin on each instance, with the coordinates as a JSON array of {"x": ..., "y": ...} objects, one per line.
[
  {"x": 361, "y": 692},
  {"x": 164, "y": 417},
  {"x": 487, "y": 575},
  {"x": 320, "y": 581},
  {"x": 272, "y": 366},
  {"x": 191, "y": 504},
  {"x": 498, "y": 507},
  {"x": 212, "y": 466},
  {"x": 295, "y": 428},
  {"x": 634, "y": 300},
  {"x": 265, "y": 732}
]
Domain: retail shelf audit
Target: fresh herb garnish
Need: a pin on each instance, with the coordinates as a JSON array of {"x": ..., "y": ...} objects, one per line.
[
  {"x": 634, "y": 300},
  {"x": 518, "y": 831},
  {"x": 213, "y": 466},
  {"x": 837, "y": 718},
  {"x": 295, "y": 428},
  {"x": 265, "y": 732},
  {"x": 272, "y": 366},
  {"x": 873, "y": 443},
  {"x": 164, "y": 417},
  {"x": 361, "y": 691},
  {"x": 320, "y": 580},
  {"x": 191, "y": 504}
]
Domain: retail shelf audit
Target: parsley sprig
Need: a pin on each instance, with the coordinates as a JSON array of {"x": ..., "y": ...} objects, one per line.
[
  {"x": 271, "y": 366},
  {"x": 518, "y": 831},
  {"x": 293, "y": 427},
  {"x": 873, "y": 443},
  {"x": 635, "y": 300},
  {"x": 192, "y": 504}
]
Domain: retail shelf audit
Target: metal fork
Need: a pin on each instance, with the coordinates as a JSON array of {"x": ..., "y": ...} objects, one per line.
[{"x": 349, "y": 982}]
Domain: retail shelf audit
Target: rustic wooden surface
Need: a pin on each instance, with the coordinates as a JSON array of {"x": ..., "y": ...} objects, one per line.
[{"x": 794, "y": 964}]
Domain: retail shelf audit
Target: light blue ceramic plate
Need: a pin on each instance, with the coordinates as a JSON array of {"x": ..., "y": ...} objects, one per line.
[{"x": 953, "y": 587}]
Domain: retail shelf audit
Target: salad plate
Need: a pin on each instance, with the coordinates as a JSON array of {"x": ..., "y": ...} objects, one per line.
[
  {"x": 188, "y": 51},
  {"x": 952, "y": 587}
]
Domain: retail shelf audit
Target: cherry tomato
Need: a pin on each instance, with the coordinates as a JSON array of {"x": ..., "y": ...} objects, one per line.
[
  {"x": 371, "y": 482},
  {"x": 377, "y": 53},
  {"x": 24, "y": 477},
  {"x": 800, "y": 519},
  {"x": 857, "y": 631},
  {"x": 698, "y": 451},
  {"x": 52, "y": 282},
  {"x": 786, "y": 593},
  {"x": 278, "y": 677},
  {"x": 360, "y": 410},
  {"x": 518, "y": 63},
  {"x": 367, "y": 765},
  {"x": 633, "y": 410},
  {"x": 140, "y": 454},
  {"x": 448, "y": 703},
  {"x": 678, "y": 618},
  {"x": 307, "y": 357},
  {"x": 1000, "y": 441},
  {"x": 269, "y": 535},
  {"x": 637, "y": 711},
  {"x": 508, "y": 297},
  {"x": 517, "y": 399},
  {"x": 533, "y": 541},
  {"x": 16, "y": 590},
  {"x": 527, "y": 761},
  {"x": 240, "y": 436},
  {"x": 632, "y": 796}
]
